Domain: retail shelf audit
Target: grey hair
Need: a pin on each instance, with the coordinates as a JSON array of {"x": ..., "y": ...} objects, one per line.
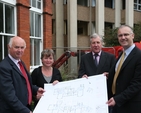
[
  {"x": 47, "y": 53},
  {"x": 11, "y": 42},
  {"x": 95, "y": 35},
  {"x": 126, "y": 26}
]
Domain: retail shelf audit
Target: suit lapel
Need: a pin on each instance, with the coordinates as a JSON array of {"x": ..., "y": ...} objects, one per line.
[
  {"x": 14, "y": 66},
  {"x": 101, "y": 61},
  {"x": 91, "y": 58},
  {"x": 129, "y": 57}
]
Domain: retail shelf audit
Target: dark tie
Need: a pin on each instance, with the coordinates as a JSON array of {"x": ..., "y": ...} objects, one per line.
[
  {"x": 95, "y": 59},
  {"x": 27, "y": 82}
]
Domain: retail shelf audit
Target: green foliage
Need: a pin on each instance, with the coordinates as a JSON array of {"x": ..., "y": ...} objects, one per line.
[
  {"x": 66, "y": 75},
  {"x": 137, "y": 32},
  {"x": 110, "y": 38}
]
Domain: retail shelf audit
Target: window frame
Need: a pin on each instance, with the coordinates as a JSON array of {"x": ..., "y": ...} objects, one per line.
[
  {"x": 34, "y": 38},
  {"x": 137, "y": 4},
  {"x": 3, "y": 35}
]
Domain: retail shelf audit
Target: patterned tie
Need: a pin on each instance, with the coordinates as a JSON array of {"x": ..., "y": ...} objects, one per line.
[
  {"x": 27, "y": 82},
  {"x": 117, "y": 72},
  {"x": 95, "y": 59}
]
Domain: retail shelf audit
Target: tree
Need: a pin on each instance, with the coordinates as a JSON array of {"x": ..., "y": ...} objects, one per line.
[
  {"x": 137, "y": 32},
  {"x": 110, "y": 38}
]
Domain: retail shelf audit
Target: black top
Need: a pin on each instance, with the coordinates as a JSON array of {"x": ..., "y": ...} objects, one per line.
[{"x": 38, "y": 77}]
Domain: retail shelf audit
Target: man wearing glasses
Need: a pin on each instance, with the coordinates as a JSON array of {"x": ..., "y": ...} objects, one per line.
[{"x": 124, "y": 84}]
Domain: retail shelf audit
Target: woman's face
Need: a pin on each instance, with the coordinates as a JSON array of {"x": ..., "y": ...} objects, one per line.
[{"x": 48, "y": 61}]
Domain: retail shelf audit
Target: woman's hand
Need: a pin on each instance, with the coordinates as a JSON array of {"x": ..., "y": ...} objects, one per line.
[{"x": 55, "y": 82}]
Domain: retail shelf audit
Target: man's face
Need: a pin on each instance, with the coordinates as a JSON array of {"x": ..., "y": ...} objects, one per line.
[
  {"x": 96, "y": 45},
  {"x": 17, "y": 49},
  {"x": 125, "y": 37}
]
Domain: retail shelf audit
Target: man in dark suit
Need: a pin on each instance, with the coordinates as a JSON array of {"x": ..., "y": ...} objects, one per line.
[
  {"x": 14, "y": 87},
  {"x": 125, "y": 92},
  {"x": 91, "y": 65}
]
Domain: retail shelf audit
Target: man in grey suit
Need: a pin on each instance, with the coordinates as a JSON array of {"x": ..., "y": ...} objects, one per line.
[
  {"x": 125, "y": 92},
  {"x": 15, "y": 89},
  {"x": 97, "y": 61}
]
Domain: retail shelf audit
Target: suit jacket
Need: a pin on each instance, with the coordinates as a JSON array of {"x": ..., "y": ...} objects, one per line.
[
  {"x": 128, "y": 84},
  {"x": 13, "y": 88},
  {"x": 87, "y": 65}
]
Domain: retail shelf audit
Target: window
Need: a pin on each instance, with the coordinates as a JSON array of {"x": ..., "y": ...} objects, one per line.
[
  {"x": 82, "y": 28},
  {"x": 35, "y": 24},
  {"x": 93, "y": 3},
  {"x": 137, "y": 5},
  {"x": 36, "y": 37},
  {"x": 64, "y": 1},
  {"x": 109, "y": 3},
  {"x": 35, "y": 3},
  {"x": 7, "y": 19},
  {"x": 35, "y": 49},
  {"x": 3, "y": 46},
  {"x": 83, "y": 2},
  {"x": 7, "y": 26}
]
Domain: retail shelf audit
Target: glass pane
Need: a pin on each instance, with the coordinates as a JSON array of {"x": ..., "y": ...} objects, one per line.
[
  {"x": 39, "y": 4},
  {"x": 31, "y": 23},
  {"x": 93, "y": 3},
  {"x": 37, "y": 52},
  {"x": 1, "y": 18},
  {"x": 37, "y": 25},
  {"x": 135, "y": 6},
  {"x": 135, "y": 1},
  {"x": 9, "y": 19},
  {"x": 82, "y": 2},
  {"x": 30, "y": 2},
  {"x": 53, "y": 1},
  {"x": 65, "y": 1},
  {"x": 3, "y": 46},
  {"x": 31, "y": 52},
  {"x": 139, "y": 7},
  {"x": 33, "y": 3},
  {"x": 139, "y": 1},
  {"x": 34, "y": 52},
  {"x": 6, "y": 41}
]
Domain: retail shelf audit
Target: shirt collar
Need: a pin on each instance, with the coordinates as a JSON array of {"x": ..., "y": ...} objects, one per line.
[
  {"x": 127, "y": 51},
  {"x": 97, "y": 53},
  {"x": 14, "y": 60}
]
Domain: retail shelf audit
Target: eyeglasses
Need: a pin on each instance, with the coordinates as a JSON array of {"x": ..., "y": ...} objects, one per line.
[{"x": 125, "y": 34}]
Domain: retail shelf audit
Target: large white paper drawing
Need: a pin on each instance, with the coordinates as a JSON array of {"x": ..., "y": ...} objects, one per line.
[{"x": 75, "y": 96}]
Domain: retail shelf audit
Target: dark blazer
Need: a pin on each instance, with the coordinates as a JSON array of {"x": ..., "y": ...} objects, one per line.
[
  {"x": 128, "y": 84},
  {"x": 38, "y": 79},
  {"x": 87, "y": 65},
  {"x": 13, "y": 88}
]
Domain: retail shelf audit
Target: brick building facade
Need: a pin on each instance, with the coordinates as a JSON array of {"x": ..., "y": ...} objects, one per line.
[{"x": 21, "y": 11}]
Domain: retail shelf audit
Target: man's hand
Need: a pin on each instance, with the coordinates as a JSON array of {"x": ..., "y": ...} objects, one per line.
[
  {"x": 40, "y": 93},
  {"x": 106, "y": 74},
  {"x": 111, "y": 102}
]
